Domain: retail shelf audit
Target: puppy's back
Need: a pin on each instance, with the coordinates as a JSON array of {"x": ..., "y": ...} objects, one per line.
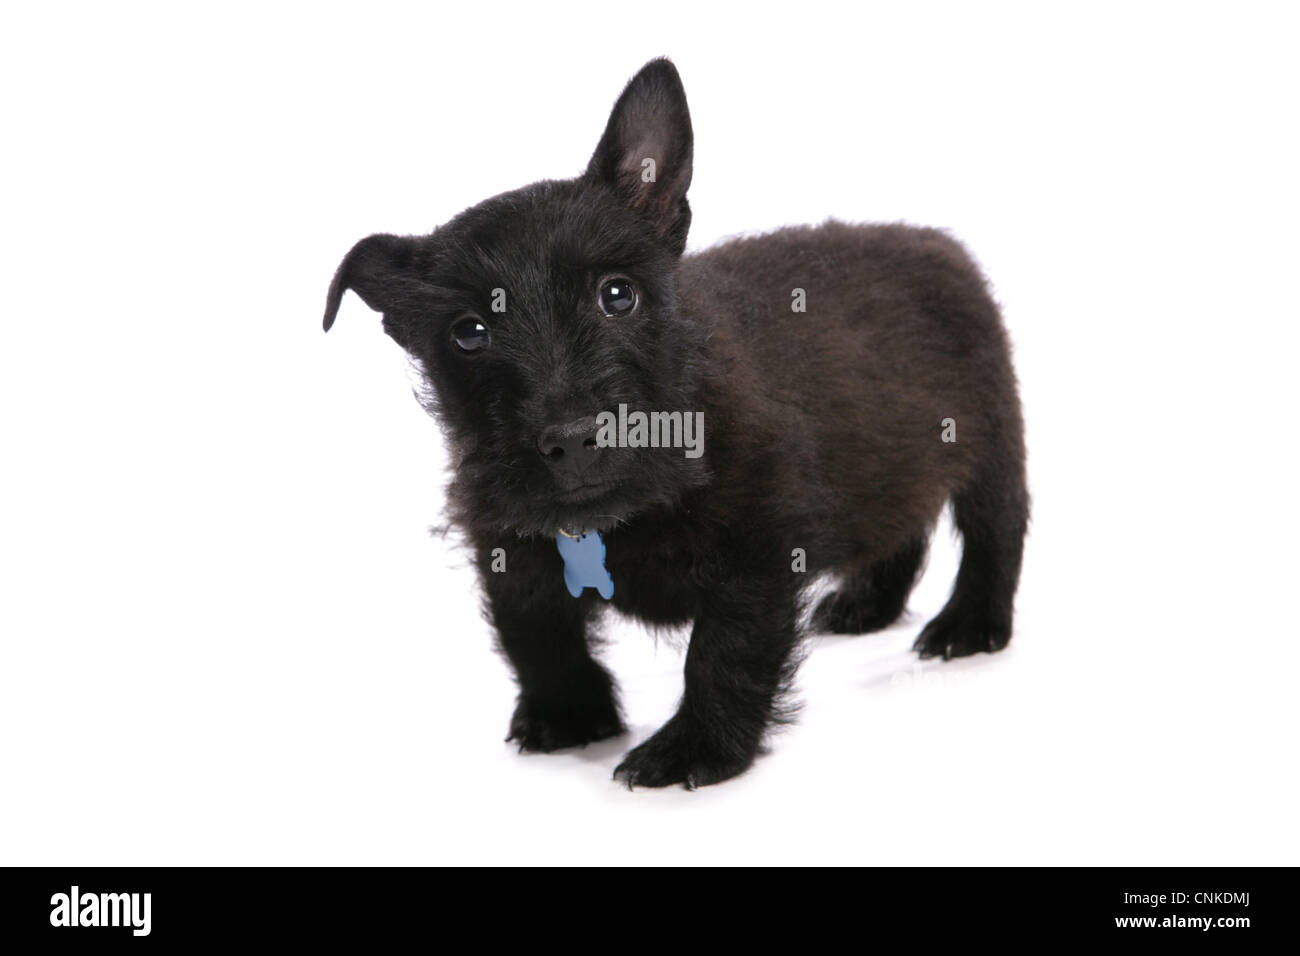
[{"x": 898, "y": 338}]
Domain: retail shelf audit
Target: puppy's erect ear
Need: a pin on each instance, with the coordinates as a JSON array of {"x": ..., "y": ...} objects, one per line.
[
  {"x": 378, "y": 269},
  {"x": 645, "y": 154}
]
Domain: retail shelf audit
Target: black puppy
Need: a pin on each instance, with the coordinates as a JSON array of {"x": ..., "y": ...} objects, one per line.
[{"x": 701, "y": 435}]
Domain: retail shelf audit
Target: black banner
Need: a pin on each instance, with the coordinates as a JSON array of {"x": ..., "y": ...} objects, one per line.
[{"x": 169, "y": 906}]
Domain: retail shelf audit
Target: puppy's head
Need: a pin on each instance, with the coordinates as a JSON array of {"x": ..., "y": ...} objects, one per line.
[{"x": 535, "y": 311}]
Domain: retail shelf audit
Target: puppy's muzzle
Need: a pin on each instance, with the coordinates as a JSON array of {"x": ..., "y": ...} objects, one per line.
[{"x": 570, "y": 449}]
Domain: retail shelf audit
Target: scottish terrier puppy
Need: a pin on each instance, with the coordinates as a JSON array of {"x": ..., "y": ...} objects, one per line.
[{"x": 693, "y": 438}]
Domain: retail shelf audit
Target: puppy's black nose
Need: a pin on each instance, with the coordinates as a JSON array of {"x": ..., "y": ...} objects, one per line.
[{"x": 571, "y": 448}]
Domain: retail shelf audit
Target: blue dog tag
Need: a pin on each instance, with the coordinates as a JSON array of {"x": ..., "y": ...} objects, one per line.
[{"x": 584, "y": 563}]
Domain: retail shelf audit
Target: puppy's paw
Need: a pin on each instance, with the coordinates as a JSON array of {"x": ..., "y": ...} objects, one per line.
[
  {"x": 682, "y": 754},
  {"x": 958, "y": 635},
  {"x": 853, "y": 613},
  {"x": 544, "y": 729}
]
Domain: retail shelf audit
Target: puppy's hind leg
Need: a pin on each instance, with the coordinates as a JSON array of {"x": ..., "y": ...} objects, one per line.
[
  {"x": 873, "y": 600},
  {"x": 992, "y": 515}
]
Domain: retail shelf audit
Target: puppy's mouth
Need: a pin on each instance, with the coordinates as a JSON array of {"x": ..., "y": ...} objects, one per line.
[
  {"x": 591, "y": 506},
  {"x": 588, "y": 491}
]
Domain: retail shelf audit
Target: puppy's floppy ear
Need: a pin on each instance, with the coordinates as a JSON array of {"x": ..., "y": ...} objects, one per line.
[
  {"x": 378, "y": 269},
  {"x": 646, "y": 152}
]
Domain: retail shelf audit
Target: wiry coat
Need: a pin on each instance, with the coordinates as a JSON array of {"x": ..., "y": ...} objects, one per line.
[{"x": 824, "y": 443}]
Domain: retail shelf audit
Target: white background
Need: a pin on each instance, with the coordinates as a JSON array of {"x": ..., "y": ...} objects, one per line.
[{"x": 229, "y": 638}]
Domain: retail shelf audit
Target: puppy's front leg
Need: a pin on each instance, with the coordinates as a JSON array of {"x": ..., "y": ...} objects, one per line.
[
  {"x": 736, "y": 667},
  {"x": 566, "y": 698}
]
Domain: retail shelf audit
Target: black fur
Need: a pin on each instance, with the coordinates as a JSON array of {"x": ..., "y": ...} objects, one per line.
[{"x": 823, "y": 432}]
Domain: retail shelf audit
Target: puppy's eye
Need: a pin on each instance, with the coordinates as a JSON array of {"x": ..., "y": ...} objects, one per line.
[
  {"x": 617, "y": 297},
  {"x": 470, "y": 334}
]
